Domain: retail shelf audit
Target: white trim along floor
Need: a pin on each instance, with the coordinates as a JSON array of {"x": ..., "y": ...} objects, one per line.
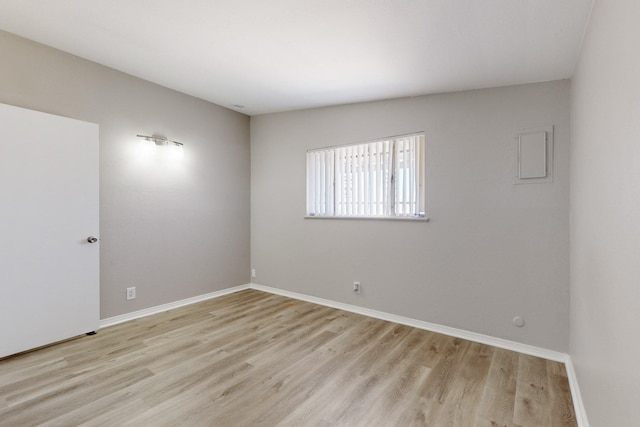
[{"x": 433, "y": 327}]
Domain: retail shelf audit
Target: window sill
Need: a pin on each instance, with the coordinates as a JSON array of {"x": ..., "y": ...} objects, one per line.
[{"x": 375, "y": 218}]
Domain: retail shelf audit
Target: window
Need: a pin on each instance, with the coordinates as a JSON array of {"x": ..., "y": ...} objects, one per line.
[{"x": 382, "y": 179}]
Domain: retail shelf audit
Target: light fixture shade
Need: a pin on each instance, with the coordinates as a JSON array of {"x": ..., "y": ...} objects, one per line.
[
  {"x": 147, "y": 147},
  {"x": 149, "y": 144},
  {"x": 176, "y": 151}
]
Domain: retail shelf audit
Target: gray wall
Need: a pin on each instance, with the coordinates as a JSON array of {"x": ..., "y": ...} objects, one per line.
[
  {"x": 605, "y": 206},
  {"x": 493, "y": 250},
  {"x": 172, "y": 230}
]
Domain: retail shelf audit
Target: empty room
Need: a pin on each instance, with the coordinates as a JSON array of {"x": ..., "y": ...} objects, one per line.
[{"x": 319, "y": 213}]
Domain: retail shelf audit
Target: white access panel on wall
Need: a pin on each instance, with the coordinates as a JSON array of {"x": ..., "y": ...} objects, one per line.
[
  {"x": 534, "y": 154},
  {"x": 49, "y": 269}
]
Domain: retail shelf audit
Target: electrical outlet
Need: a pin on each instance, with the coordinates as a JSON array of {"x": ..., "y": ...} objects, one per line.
[
  {"x": 253, "y": 273},
  {"x": 356, "y": 287},
  {"x": 131, "y": 293}
]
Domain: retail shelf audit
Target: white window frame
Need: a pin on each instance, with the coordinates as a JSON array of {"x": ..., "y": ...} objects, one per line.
[{"x": 367, "y": 180}]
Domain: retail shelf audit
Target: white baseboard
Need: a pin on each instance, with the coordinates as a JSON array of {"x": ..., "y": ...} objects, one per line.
[
  {"x": 454, "y": 332},
  {"x": 578, "y": 404},
  {"x": 110, "y": 321},
  {"x": 544, "y": 353},
  {"x": 581, "y": 416},
  {"x": 433, "y": 327}
]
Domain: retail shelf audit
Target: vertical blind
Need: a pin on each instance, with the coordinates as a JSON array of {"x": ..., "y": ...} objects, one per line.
[
  {"x": 320, "y": 177},
  {"x": 374, "y": 179}
]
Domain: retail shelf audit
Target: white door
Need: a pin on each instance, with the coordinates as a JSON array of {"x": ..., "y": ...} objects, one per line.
[{"x": 49, "y": 272}]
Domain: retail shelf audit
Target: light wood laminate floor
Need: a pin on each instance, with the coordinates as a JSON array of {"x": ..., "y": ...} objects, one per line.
[{"x": 256, "y": 359}]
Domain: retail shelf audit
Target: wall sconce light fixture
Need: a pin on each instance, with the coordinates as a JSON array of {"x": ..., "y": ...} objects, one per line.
[{"x": 175, "y": 147}]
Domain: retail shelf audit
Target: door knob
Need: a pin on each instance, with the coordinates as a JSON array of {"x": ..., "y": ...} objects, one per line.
[{"x": 92, "y": 239}]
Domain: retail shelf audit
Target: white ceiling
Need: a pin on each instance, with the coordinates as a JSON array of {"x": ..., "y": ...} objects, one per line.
[{"x": 278, "y": 55}]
